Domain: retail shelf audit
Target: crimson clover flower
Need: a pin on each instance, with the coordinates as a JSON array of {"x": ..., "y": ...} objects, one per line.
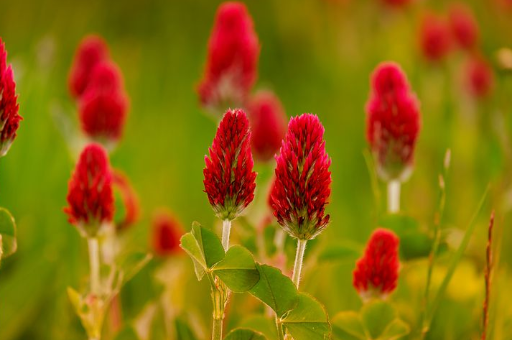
[
  {"x": 479, "y": 77},
  {"x": 229, "y": 179},
  {"x": 393, "y": 122},
  {"x": 396, "y": 3},
  {"x": 302, "y": 184},
  {"x": 435, "y": 38},
  {"x": 231, "y": 67},
  {"x": 463, "y": 26},
  {"x": 376, "y": 273},
  {"x": 166, "y": 234},
  {"x": 103, "y": 105},
  {"x": 90, "y": 198},
  {"x": 9, "y": 107},
  {"x": 91, "y": 51},
  {"x": 268, "y": 124},
  {"x": 129, "y": 200}
]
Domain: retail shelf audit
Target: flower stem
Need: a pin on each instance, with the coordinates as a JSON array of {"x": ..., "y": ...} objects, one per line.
[
  {"x": 393, "y": 196},
  {"x": 94, "y": 258},
  {"x": 280, "y": 335},
  {"x": 217, "y": 329},
  {"x": 226, "y": 229},
  {"x": 299, "y": 256}
]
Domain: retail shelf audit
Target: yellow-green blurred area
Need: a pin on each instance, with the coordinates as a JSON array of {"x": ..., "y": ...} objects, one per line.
[{"x": 316, "y": 55}]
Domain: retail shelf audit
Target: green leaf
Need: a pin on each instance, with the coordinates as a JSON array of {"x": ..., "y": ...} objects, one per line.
[
  {"x": 308, "y": 320},
  {"x": 8, "y": 242},
  {"x": 237, "y": 270},
  {"x": 261, "y": 324},
  {"x": 395, "y": 330},
  {"x": 127, "y": 333},
  {"x": 275, "y": 289},
  {"x": 244, "y": 334},
  {"x": 376, "y": 316},
  {"x": 347, "y": 325},
  {"x": 132, "y": 263},
  {"x": 183, "y": 330},
  {"x": 204, "y": 247},
  {"x": 341, "y": 252}
]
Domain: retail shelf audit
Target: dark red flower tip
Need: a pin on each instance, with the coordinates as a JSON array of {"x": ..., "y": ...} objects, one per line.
[
  {"x": 392, "y": 122},
  {"x": 396, "y": 3},
  {"x": 376, "y": 273},
  {"x": 90, "y": 197},
  {"x": 229, "y": 179},
  {"x": 302, "y": 185},
  {"x": 479, "y": 77},
  {"x": 268, "y": 124},
  {"x": 166, "y": 234},
  {"x": 231, "y": 68},
  {"x": 129, "y": 200},
  {"x": 92, "y": 50},
  {"x": 435, "y": 38},
  {"x": 103, "y": 106},
  {"x": 463, "y": 26},
  {"x": 9, "y": 107}
]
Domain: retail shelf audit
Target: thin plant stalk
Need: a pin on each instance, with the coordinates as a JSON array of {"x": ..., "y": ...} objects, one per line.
[
  {"x": 94, "y": 260},
  {"x": 393, "y": 196},
  {"x": 226, "y": 229},
  {"x": 299, "y": 256},
  {"x": 488, "y": 272},
  {"x": 219, "y": 299}
]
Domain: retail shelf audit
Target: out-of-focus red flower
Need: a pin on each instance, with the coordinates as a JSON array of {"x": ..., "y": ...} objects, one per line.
[
  {"x": 479, "y": 77},
  {"x": 166, "y": 234},
  {"x": 435, "y": 38},
  {"x": 463, "y": 26},
  {"x": 90, "y": 198},
  {"x": 302, "y": 186},
  {"x": 128, "y": 198},
  {"x": 103, "y": 106},
  {"x": 376, "y": 273},
  {"x": 396, "y": 3},
  {"x": 231, "y": 68},
  {"x": 393, "y": 121},
  {"x": 268, "y": 124},
  {"x": 229, "y": 179},
  {"x": 9, "y": 117},
  {"x": 92, "y": 50}
]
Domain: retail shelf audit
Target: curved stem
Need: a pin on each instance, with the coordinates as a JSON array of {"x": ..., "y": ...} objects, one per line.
[
  {"x": 94, "y": 259},
  {"x": 393, "y": 196},
  {"x": 226, "y": 229},
  {"x": 299, "y": 256}
]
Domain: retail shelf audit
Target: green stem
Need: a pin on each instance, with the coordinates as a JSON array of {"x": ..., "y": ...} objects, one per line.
[
  {"x": 299, "y": 256},
  {"x": 94, "y": 260},
  {"x": 280, "y": 334},
  {"x": 219, "y": 299},
  {"x": 217, "y": 329},
  {"x": 226, "y": 229},
  {"x": 393, "y": 196}
]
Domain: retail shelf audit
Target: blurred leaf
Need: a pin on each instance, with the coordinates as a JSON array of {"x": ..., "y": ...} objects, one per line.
[
  {"x": 414, "y": 243},
  {"x": 127, "y": 333},
  {"x": 204, "y": 247},
  {"x": 340, "y": 252},
  {"x": 262, "y": 324},
  {"x": 376, "y": 316},
  {"x": 183, "y": 330},
  {"x": 275, "y": 289},
  {"x": 395, "y": 330},
  {"x": 8, "y": 242},
  {"x": 244, "y": 334},
  {"x": 347, "y": 325},
  {"x": 133, "y": 263},
  {"x": 237, "y": 270},
  {"x": 308, "y": 320}
]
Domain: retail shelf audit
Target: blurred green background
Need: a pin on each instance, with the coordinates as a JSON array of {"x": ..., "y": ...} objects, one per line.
[{"x": 316, "y": 56}]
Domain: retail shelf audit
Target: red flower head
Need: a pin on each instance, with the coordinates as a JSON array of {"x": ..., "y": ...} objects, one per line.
[
  {"x": 129, "y": 200},
  {"x": 435, "y": 38},
  {"x": 396, "y": 3},
  {"x": 376, "y": 273},
  {"x": 233, "y": 51},
  {"x": 91, "y": 51},
  {"x": 303, "y": 179},
  {"x": 103, "y": 106},
  {"x": 9, "y": 117},
  {"x": 167, "y": 232},
  {"x": 90, "y": 197},
  {"x": 393, "y": 122},
  {"x": 268, "y": 124},
  {"x": 229, "y": 179},
  {"x": 479, "y": 77},
  {"x": 463, "y": 26}
]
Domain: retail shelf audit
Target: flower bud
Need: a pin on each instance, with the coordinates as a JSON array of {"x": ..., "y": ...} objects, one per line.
[
  {"x": 90, "y": 198},
  {"x": 463, "y": 26},
  {"x": 268, "y": 124},
  {"x": 302, "y": 185},
  {"x": 129, "y": 200},
  {"x": 435, "y": 40},
  {"x": 166, "y": 234},
  {"x": 229, "y": 179},
  {"x": 233, "y": 51},
  {"x": 376, "y": 273},
  {"x": 479, "y": 77}
]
